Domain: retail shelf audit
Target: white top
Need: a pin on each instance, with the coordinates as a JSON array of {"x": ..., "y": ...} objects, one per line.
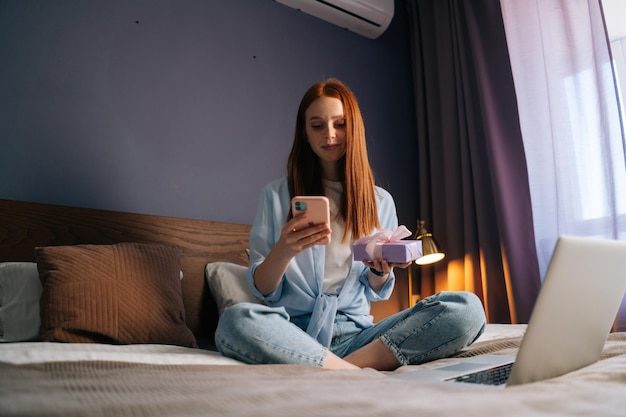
[{"x": 338, "y": 255}]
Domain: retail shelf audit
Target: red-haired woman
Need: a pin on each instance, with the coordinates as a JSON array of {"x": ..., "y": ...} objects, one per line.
[{"x": 316, "y": 298}]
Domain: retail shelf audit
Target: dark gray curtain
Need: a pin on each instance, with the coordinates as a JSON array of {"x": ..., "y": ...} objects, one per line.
[{"x": 474, "y": 191}]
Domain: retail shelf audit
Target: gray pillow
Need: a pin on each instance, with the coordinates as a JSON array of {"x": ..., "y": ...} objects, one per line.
[
  {"x": 227, "y": 282},
  {"x": 20, "y": 290}
]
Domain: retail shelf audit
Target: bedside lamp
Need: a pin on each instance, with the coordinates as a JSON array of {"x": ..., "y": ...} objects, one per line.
[
  {"x": 430, "y": 249},
  {"x": 430, "y": 255}
]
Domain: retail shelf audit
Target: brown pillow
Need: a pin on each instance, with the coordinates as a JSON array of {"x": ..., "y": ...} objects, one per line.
[{"x": 120, "y": 294}]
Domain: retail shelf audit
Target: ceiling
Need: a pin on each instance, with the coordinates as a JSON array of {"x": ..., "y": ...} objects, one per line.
[{"x": 615, "y": 16}]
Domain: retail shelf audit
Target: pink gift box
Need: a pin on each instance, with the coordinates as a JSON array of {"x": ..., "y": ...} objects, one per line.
[{"x": 398, "y": 251}]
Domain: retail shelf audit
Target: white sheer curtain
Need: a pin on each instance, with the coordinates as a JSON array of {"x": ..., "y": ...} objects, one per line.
[
  {"x": 618, "y": 48},
  {"x": 570, "y": 119}
]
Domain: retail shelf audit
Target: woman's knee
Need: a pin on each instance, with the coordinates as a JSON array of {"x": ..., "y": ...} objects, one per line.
[
  {"x": 242, "y": 320},
  {"x": 257, "y": 334},
  {"x": 466, "y": 310},
  {"x": 462, "y": 310},
  {"x": 462, "y": 303},
  {"x": 232, "y": 317}
]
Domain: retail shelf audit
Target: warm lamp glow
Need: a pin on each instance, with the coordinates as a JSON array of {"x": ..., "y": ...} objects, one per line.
[
  {"x": 430, "y": 249},
  {"x": 430, "y": 259}
]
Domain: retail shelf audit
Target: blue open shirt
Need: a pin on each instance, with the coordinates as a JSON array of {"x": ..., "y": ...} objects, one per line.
[{"x": 300, "y": 290}]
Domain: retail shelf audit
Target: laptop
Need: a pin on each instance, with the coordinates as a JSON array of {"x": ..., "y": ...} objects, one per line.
[{"x": 572, "y": 317}]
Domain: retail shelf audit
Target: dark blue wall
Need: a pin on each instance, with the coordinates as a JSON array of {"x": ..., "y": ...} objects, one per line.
[{"x": 184, "y": 107}]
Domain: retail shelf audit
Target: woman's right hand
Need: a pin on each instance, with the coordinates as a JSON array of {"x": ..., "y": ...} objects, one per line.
[{"x": 298, "y": 235}]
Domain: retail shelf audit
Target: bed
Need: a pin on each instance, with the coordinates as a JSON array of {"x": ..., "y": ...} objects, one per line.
[{"x": 140, "y": 298}]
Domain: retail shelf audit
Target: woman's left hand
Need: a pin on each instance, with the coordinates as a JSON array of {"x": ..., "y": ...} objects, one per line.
[{"x": 382, "y": 265}]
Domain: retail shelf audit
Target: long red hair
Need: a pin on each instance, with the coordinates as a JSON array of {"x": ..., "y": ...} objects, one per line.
[{"x": 304, "y": 173}]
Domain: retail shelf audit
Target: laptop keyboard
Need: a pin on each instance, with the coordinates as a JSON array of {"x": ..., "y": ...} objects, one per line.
[{"x": 497, "y": 375}]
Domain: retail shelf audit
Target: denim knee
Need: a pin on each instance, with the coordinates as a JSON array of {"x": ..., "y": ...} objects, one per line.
[
  {"x": 436, "y": 327},
  {"x": 258, "y": 334},
  {"x": 466, "y": 311},
  {"x": 238, "y": 323}
]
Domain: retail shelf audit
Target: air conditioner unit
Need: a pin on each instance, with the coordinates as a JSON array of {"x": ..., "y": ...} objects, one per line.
[{"x": 369, "y": 18}]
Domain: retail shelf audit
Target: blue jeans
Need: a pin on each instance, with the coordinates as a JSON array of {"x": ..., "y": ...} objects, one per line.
[{"x": 436, "y": 327}]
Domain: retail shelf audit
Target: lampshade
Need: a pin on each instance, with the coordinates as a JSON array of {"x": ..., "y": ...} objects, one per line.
[{"x": 430, "y": 249}]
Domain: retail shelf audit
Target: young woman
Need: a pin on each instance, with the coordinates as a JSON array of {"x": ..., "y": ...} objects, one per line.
[{"x": 317, "y": 299}]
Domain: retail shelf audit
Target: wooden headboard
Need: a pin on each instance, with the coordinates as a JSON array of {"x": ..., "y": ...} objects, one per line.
[{"x": 23, "y": 226}]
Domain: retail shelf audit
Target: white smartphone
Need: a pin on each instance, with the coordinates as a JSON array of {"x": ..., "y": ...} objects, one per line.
[{"x": 317, "y": 208}]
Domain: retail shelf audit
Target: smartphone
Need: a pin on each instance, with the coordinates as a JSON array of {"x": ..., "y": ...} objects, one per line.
[{"x": 317, "y": 208}]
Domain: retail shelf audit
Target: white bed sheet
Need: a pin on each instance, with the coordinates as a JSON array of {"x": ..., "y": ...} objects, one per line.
[
  {"x": 39, "y": 352},
  {"x": 98, "y": 387},
  {"x": 501, "y": 331}
]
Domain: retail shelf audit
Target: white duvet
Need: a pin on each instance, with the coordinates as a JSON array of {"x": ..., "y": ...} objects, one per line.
[
  {"x": 120, "y": 388},
  {"x": 39, "y": 352}
]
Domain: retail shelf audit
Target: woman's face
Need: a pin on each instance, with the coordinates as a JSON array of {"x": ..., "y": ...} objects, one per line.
[{"x": 326, "y": 130}]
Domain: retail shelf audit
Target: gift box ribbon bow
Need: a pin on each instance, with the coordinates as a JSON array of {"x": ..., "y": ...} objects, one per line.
[{"x": 374, "y": 243}]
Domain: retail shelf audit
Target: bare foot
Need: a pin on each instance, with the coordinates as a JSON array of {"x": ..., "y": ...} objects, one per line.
[
  {"x": 375, "y": 355},
  {"x": 335, "y": 362}
]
